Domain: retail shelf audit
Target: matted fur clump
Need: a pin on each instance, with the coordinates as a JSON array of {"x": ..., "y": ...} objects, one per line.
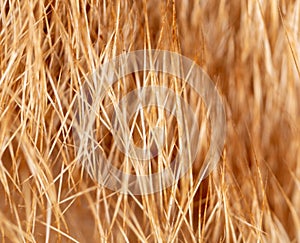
[{"x": 250, "y": 50}]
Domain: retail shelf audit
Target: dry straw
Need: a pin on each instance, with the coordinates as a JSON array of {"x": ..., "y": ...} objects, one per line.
[{"x": 250, "y": 49}]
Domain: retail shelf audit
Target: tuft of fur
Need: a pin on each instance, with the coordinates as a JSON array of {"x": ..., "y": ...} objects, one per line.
[{"x": 250, "y": 49}]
